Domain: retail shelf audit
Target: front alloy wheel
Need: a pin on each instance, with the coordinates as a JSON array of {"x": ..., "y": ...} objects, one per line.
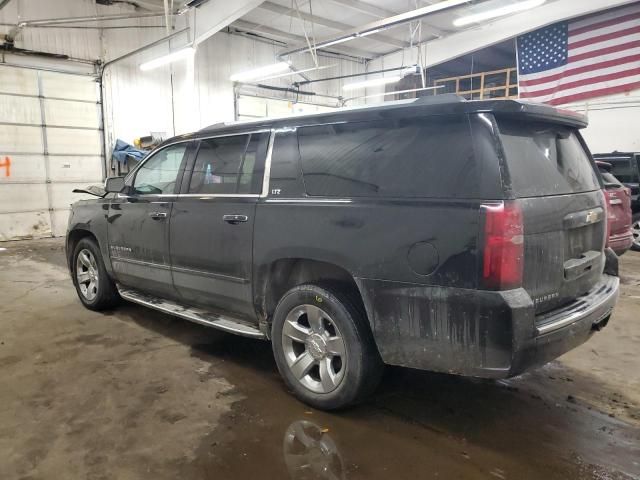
[
  {"x": 87, "y": 274},
  {"x": 314, "y": 348},
  {"x": 95, "y": 288}
]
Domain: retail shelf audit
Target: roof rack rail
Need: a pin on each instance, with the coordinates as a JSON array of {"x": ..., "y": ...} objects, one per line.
[{"x": 442, "y": 98}]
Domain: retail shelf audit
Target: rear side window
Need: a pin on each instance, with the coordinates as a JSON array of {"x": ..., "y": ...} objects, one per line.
[
  {"x": 546, "y": 159},
  {"x": 426, "y": 157},
  {"x": 229, "y": 165}
]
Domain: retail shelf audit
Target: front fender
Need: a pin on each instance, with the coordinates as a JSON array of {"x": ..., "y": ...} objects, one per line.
[{"x": 90, "y": 217}]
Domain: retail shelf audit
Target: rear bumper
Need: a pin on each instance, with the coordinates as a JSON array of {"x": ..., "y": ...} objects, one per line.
[
  {"x": 478, "y": 333},
  {"x": 564, "y": 329}
]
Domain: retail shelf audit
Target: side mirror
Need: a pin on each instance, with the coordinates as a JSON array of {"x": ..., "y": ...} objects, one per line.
[{"x": 114, "y": 184}]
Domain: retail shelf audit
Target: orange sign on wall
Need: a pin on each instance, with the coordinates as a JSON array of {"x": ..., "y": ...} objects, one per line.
[{"x": 6, "y": 163}]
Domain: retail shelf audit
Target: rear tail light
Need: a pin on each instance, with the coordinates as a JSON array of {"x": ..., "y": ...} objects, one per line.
[
  {"x": 605, "y": 206},
  {"x": 503, "y": 255}
]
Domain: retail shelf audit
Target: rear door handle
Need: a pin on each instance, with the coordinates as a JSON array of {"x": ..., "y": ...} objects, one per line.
[
  {"x": 235, "y": 219},
  {"x": 158, "y": 215}
]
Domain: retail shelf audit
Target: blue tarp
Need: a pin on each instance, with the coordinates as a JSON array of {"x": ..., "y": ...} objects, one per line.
[{"x": 122, "y": 151}]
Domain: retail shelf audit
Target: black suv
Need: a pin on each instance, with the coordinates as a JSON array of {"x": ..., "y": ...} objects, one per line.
[
  {"x": 625, "y": 166},
  {"x": 460, "y": 237}
]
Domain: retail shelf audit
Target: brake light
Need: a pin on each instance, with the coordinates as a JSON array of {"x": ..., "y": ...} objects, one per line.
[
  {"x": 607, "y": 219},
  {"x": 503, "y": 256}
]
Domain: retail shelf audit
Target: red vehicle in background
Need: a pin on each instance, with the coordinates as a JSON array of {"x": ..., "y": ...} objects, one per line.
[{"x": 618, "y": 210}]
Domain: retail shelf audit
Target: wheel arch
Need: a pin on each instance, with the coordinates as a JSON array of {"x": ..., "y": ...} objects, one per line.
[
  {"x": 277, "y": 277},
  {"x": 73, "y": 237}
]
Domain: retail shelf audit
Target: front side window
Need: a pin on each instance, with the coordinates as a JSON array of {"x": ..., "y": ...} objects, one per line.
[
  {"x": 229, "y": 165},
  {"x": 159, "y": 173}
]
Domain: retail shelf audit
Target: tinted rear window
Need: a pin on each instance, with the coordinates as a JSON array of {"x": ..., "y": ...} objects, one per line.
[
  {"x": 431, "y": 157},
  {"x": 546, "y": 159}
]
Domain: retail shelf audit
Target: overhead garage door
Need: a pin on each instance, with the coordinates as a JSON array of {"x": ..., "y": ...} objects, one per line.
[{"x": 50, "y": 143}]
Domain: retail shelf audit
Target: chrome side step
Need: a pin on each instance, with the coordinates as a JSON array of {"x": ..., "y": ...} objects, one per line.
[{"x": 196, "y": 315}]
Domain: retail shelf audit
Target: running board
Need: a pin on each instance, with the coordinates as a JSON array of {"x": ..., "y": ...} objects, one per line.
[{"x": 196, "y": 315}]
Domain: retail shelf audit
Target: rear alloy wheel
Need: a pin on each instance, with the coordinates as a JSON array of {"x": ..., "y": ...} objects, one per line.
[
  {"x": 323, "y": 346},
  {"x": 314, "y": 348},
  {"x": 635, "y": 229}
]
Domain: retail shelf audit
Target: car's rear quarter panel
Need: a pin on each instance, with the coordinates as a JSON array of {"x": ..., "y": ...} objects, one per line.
[{"x": 437, "y": 321}]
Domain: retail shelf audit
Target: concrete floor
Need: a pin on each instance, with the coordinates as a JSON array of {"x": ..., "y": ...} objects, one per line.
[{"x": 135, "y": 394}]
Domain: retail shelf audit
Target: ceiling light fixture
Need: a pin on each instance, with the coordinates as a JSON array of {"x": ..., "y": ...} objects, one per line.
[
  {"x": 497, "y": 12},
  {"x": 260, "y": 72},
  {"x": 170, "y": 58},
  {"x": 372, "y": 83}
]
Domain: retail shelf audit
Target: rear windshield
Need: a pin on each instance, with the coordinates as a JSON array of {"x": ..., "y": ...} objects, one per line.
[{"x": 546, "y": 159}]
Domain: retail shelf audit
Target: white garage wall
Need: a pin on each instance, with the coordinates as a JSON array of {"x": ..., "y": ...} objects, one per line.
[
  {"x": 201, "y": 96},
  {"x": 171, "y": 99},
  {"x": 613, "y": 122}
]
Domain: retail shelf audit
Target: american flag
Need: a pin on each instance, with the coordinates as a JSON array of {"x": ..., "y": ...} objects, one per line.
[{"x": 584, "y": 58}]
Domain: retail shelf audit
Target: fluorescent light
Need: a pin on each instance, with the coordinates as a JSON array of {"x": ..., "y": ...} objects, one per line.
[
  {"x": 497, "y": 12},
  {"x": 172, "y": 57},
  {"x": 369, "y": 32},
  {"x": 335, "y": 42},
  {"x": 260, "y": 72},
  {"x": 372, "y": 83}
]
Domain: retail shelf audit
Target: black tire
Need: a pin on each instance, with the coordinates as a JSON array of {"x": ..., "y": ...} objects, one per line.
[
  {"x": 362, "y": 367},
  {"x": 635, "y": 223},
  {"x": 105, "y": 294}
]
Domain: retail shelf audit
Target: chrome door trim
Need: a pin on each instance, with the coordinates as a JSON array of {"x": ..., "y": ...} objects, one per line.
[
  {"x": 209, "y": 274},
  {"x": 141, "y": 262}
]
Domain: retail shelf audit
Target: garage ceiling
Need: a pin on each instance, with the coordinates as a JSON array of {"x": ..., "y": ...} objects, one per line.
[{"x": 289, "y": 21}]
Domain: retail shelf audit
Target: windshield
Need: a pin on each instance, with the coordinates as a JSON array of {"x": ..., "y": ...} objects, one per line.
[{"x": 546, "y": 159}]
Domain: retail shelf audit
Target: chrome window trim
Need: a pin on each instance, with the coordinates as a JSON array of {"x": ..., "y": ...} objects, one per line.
[
  {"x": 267, "y": 165},
  {"x": 192, "y": 195}
]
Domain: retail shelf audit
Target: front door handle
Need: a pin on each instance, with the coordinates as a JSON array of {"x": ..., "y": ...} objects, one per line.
[
  {"x": 158, "y": 215},
  {"x": 235, "y": 219}
]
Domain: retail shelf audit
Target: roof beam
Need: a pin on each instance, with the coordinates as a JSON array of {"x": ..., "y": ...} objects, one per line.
[
  {"x": 379, "y": 12},
  {"x": 367, "y": 8},
  {"x": 214, "y": 15},
  {"x": 370, "y": 29},
  {"x": 275, "y": 8},
  {"x": 290, "y": 37}
]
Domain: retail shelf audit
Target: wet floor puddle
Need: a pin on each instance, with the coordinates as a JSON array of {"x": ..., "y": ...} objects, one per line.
[{"x": 418, "y": 425}]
